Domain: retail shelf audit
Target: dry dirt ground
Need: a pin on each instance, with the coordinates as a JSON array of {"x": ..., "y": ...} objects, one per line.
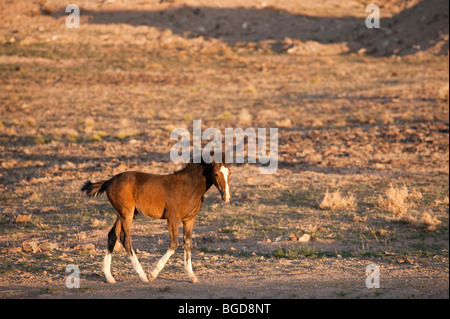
[{"x": 360, "y": 111}]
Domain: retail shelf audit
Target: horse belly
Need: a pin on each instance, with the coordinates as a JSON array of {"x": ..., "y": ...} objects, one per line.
[{"x": 149, "y": 208}]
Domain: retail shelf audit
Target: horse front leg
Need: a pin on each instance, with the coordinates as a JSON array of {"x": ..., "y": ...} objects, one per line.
[
  {"x": 173, "y": 245},
  {"x": 187, "y": 231}
]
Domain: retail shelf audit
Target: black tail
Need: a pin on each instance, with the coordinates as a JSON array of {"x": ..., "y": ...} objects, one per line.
[{"x": 95, "y": 189}]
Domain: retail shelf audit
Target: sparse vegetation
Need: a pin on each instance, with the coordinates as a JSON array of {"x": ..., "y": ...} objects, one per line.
[
  {"x": 363, "y": 145},
  {"x": 399, "y": 202},
  {"x": 336, "y": 201},
  {"x": 426, "y": 220},
  {"x": 396, "y": 201}
]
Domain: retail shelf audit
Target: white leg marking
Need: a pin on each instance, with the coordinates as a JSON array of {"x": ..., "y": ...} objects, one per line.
[
  {"x": 137, "y": 267},
  {"x": 224, "y": 171},
  {"x": 107, "y": 268},
  {"x": 161, "y": 263},
  {"x": 188, "y": 268}
]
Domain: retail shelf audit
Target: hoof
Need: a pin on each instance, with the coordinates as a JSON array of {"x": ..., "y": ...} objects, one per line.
[
  {"x": 110, "y": 280},
  {"x": 144, "y": 279},
  {"x": 151, "y": 277},
  {"x": 194, "y": 280}
]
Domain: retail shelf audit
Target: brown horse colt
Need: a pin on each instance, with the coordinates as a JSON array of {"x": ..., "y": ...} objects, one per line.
[{"x": 177, "y": 198}]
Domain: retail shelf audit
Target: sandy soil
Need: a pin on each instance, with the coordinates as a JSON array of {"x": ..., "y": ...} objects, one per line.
[{"x": 357, "y": 110}]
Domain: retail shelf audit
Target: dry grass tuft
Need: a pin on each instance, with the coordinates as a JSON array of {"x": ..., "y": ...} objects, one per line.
[
  {"x": 96, "y": 223},
  {"x": 67, "y": 133},
  {"x": 399, "y": 201},
  {"x": 425, "y": 220},
  {"x": 127, "y": 132},
  {"x": 89, "y": 124},
  {"x": 225, "y": 116},
  {"x": 245, "y": 117},
  {"x": 31, "y": 121},
  {"x": 127, "y": 129},
  {"x": 335, "y": 201},
  {"x": 97, "y": 136},
  {"x": 396, "y": 201},
  {"x": 429, "y": 221}
]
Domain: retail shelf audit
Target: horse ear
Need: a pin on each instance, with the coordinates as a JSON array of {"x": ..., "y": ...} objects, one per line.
[
  {"x": 211, "y": 154},
  {"x": 224, "y": 157}
]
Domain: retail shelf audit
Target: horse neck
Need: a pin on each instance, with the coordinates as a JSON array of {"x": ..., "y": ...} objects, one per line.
[{"x": 200, "y": 177}]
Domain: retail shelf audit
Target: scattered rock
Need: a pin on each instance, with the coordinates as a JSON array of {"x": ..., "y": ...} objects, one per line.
[
  {"x": 48, "y": 246},
  {"x": 443, "y": 92},
  {"x": 84, "y": 247},
  {"x": 284, "y": 123},
  {"x": 281, "y": 238},
  {"x": 359, "y": 219},
  {"x": 292, "y": 49},
  {"x": 290, "y": 237},
  {"x": 362, "y": 51},
  {"x": 30, "y": 246},
  {"x": 14, "y": 250},
  {"x": 23, "y": 218},
  {"x": 305, "y": 238}
]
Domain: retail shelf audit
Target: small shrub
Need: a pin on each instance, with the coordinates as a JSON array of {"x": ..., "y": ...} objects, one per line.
[
  {"x": 294, "y": 253},
  {"x": 127, "y": 132},
  {"x": 395, "y": 201},
  {"x": 425, "y": 220},
  {"x": 336, "y": 201}
]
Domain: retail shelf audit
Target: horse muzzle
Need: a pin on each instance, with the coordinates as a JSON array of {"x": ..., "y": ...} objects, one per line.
[{"x": 226, "y": 197}]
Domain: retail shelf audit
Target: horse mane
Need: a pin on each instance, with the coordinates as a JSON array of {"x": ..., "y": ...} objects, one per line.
[{"x": 191, "y": 166}]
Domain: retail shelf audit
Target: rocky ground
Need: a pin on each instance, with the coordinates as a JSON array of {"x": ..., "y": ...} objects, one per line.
[{"x": 361, "y": 113}]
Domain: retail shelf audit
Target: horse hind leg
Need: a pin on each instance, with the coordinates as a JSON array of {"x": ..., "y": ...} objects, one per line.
[
  {"x": 126, "y": 228},
  {"x": 113, "y": 234}
]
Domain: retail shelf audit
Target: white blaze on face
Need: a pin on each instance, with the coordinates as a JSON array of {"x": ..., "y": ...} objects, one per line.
[{"x": 224, "y": 171}]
